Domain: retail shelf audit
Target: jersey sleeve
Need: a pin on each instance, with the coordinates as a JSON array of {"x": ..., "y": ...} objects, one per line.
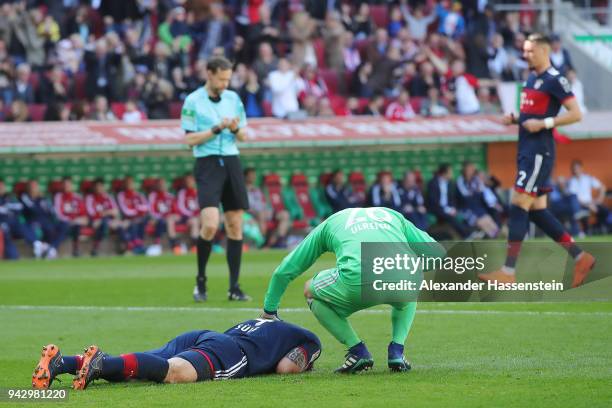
[
  {"x": 561, "y": 89},
  {"x": 311, "y": 345},
  {"x": 421, "y": 242},
  {"x": 188, "y": 116},
  {"x": 295, "y": 264}
]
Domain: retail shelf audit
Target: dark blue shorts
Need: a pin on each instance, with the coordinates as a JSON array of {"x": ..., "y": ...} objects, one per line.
[
  {"x": 213, "y": 355},
  {"x": 534, "y": 172}
]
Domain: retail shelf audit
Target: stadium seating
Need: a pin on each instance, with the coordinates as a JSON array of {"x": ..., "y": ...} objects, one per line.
[{"x": 301, "y": 189}]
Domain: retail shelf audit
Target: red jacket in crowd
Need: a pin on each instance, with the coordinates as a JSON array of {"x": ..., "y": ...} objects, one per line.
[
  {"x": 98, "y": 204},
  {"x": 68, "y": 206},
  {"x": 187, "y": 202},
  {"x": 132, "y": 204},
  {"x": 161, "y": 203}
]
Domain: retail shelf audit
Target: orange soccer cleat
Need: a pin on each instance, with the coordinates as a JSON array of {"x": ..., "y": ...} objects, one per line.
[
  {"x": 91, "y": 369},
  {"x": 497, "y": 276},
  {"x": 46, "y": 370},
  {"x": 583, "y": 266}
]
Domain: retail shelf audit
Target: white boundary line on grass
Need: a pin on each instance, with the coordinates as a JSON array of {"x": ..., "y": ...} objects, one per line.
[{"x": 204, "y": 309}]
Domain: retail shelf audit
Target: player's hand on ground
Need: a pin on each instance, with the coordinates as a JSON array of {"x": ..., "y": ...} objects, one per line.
[
  {"x": 269, "y": 315},
  {"x": 533, "y": 125},
  {"x": 509, "y": 119}
]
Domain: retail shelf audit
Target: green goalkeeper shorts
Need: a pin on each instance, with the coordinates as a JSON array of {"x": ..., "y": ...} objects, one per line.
[{"x": 327, "y": 286}]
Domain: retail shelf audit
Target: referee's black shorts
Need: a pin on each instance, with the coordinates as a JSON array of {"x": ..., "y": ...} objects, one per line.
[{"x": 220, "y": 180}]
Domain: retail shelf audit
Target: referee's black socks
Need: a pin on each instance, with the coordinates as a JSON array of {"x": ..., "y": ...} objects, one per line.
[
  {"x": 234, "y": 256},
  {"x": 204, "y": 248}
]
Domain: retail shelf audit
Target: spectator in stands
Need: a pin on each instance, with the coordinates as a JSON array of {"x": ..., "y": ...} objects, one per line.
[
  {"x": 464, "y": 86},
  {"x": 188, "y": 210},
  {"x": 163, "y": 217},
  {"x": 101, "y": 112},
  {"x": 214, "y": 32},
  {"x": 135, "y": 211},
  {"x": 102, "y": 69},
  {"x": 559, "y": 56},
  {"x": 441, "y": 200},
  {"x": 385, "y": 192},
  {"x": 265, "y": 63},
  {"x": 362, "y": 25},
  {"x": 333, "y": 39},
  {"x": 252, "y": 95},
  {"x": 46, "y": 28},
  {"x": 337, "y": 193},
  {"x": 427, "y": 78},
  {"x": 103, "y": 216},
  {"x": 19, "y": 112},
  {"x": 265, "y": 30},
  {"x": 350, "y": 53},
  {"x": 518, "y": 66},
  {"x": 374, "y": 106},
  {"x": 487, "y": 106},
  {"x": 577, "y": 89},
  {"x": 432, "y": 106},
  {"x": 22, "y": 87},
  {"x": 400, "y": 109},
  {"x": 324, "y": 109},
  {"x": 378, "y": 46},
  {"x": 412, "y": 201},
  {"x": 20, "y": 33},
  {"x": 284, "y": 85},
  {"x": 346, "y": 16},
  {"x": 239, "y": 76},
  {"x": 80, "y": 23},
  {"x": 302, "y": 30},
  {"x": 471, "y": 202},
  {"x": 311, "y": 84},
  {"x": 451, "y": 21},
  {"x": 259, "y": 209},
  {"x": 384, "y": 74},
  {"x": 70, "y": 210},
  {"x": 493, "y": 204},
  {"x": 582, "y": 185},
  {"x": 40, "y": 216},
  {"x": 54, "y": 86},
  {"x": 57, "y": 111},
  {"x": 361, "y": 81},
  {"x": 174, "y": 32},
  {"x": 396, "y": 21},
  {"x": 79, "y": 110},
  {"x": 417, "y": 21},
  {"x": 156, "y": 95},
  {"x": 132, "y": 114},
  {"x": 181, "y": 87},
  {"x": 499, "y": 59},
  {"x": 11, "y": 226}
]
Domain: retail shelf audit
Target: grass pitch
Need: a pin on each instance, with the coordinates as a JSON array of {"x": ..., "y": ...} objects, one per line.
[{"x": 463, "y": 355}]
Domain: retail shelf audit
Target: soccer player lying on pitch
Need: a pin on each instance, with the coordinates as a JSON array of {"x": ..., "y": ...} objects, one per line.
[
  {"x": 253, "y": 347},
  {"x": 335, "y": 294}
]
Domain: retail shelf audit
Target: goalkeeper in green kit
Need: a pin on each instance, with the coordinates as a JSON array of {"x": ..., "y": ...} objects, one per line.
[{"x": 334, "y": 294}]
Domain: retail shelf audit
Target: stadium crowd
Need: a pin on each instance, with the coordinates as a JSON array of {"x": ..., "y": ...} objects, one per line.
[
  {"x": 134, "y": 59},
  {"x": 469, "y": 206}
]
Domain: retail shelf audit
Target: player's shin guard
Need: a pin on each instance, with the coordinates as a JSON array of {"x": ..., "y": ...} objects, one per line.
[
  {"x": 338, "y": 326},
  {"x": 551, "y": 226},
  {"x": 518, "y": 225},
  {"x": 234, "y": 257}
]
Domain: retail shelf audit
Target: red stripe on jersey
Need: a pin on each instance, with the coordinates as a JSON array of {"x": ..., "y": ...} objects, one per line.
[
  {"x": 130, "y": 365},
  {"x": 534, "y": 102}
]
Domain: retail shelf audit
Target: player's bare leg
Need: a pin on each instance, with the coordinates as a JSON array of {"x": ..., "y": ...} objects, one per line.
[
  {"x": 209, "y": 222},
  {"x": 233, "y": 229}
]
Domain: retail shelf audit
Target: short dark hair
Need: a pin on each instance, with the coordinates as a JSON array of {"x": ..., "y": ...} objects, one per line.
[
  {"x": 443, "y": 168},
  {"x": 99, "y": 180},
  {"x": 539, "y": 38},
  {"x": 577, "y": 162},
  {"x": 218, "y": 64},
  {"x": 248, "y": 170},
  {"x": 67, "y": 178}
]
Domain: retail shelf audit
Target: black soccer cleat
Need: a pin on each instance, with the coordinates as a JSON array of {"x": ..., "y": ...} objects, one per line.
[
  {"x": 93, "y": 359},
  {"x": 47, "y": 368},
  {"x": 198, "y": 296},
  {"x": 239, "y": 295},
  {"x": 396, "y": 360},
  {"x": 358, "y": 359}
]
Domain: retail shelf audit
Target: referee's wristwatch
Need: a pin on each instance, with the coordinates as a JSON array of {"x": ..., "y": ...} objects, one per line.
[
  {"x": 216, "y": 130},
  {"x": 235, "y": 131}
]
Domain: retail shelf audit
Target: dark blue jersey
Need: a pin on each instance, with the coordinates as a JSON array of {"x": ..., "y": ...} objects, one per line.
[
  {"x": 265, "y": 342},
  {"x": 542, "y": 97}
]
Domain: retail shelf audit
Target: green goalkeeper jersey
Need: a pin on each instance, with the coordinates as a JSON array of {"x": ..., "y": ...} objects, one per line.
[{"x": 342, "y": 234}]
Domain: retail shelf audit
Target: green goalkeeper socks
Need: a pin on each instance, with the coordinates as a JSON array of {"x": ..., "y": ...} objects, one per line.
[
  {"x": 401, "y": 319},
  {"x": 338, "y": 326}
]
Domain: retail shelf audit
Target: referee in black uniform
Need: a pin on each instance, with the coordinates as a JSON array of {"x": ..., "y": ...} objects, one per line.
[{"x": 214, "y": 119}]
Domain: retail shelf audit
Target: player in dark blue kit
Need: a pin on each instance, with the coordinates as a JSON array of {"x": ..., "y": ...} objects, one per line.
[
  {"x": 545, "y": 91},
  {"x": 253, "y": 347}
]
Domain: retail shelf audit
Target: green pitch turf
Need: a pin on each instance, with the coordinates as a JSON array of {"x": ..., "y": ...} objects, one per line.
[{"x": 463, "y": 355}]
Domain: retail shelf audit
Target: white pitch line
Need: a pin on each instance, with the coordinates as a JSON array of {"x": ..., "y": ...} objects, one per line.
[{"x": 204, "y": 309}]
